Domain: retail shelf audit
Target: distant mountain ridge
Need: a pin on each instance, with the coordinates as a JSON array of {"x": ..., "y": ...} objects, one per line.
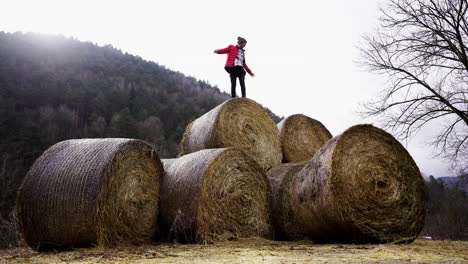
[
  {"x": 454, "y": 182},
  {"x": 43, "y": 73}
]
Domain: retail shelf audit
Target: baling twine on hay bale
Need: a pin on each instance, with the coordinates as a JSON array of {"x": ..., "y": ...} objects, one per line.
[
  {"x": 282, "y": 202},
  {"x": 84, "y": 192},
  {"x": 362, "y": 186},
  {"x": 240, "y": 123},
  {"x": 214, "y": 195},
  {"x": 301, "y": 136}
]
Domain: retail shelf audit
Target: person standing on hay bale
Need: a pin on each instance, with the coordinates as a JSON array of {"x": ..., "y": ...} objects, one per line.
[{"x": 235, "y": 64}]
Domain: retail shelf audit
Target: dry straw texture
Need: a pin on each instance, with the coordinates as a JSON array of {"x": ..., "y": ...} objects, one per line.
[
  {"x": 240, "y": 123},
  {"x": 214, "y": 195},
  {"x": 282, "y": 202},
  {"x": 253, "y": 250},
  {"x": 91, "y": 191},
  {"x": 301, "y": 136},
  {"x": 362, "y": 186}
]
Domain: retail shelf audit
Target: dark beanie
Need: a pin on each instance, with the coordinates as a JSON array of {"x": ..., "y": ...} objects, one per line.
[{"x": 241, "y": 40}]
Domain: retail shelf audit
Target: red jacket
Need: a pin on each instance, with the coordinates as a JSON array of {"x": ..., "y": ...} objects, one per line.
[{"x": 232, "y": 51}]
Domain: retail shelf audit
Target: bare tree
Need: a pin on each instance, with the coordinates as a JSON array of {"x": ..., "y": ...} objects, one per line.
[{"x": 421, "y": 47}]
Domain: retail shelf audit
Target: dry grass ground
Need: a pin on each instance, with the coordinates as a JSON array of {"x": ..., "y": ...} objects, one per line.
[{"x": 254, "y": 251}]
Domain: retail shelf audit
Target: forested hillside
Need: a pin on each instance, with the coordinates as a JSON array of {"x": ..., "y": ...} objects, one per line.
[{"x": 54, "y": 88}]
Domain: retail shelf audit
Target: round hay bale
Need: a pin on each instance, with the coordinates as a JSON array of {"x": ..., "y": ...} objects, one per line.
[
  {"x": 240, "y": 123},
  {"x": 301, "y": 136},
  {"x": 84, "y": 192},
  {"x": 362, "y": 186},
  {"x": 282, "y": 202},
  {"x": 214, "y": 195}
]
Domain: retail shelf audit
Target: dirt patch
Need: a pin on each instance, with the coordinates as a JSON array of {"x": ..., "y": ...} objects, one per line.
[{"x": 254, "y": 251}]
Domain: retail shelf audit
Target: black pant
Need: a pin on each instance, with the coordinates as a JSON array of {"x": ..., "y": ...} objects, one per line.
[{"x": 234, "y": 73}]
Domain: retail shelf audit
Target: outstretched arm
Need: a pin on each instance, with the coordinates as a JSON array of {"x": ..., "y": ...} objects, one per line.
[
  {"x": 248, "y": 70},
  {"x": 222, "y": 51}
]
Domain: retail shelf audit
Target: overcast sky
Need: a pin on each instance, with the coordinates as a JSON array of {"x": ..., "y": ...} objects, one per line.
[{"x": 303, "y": 53}]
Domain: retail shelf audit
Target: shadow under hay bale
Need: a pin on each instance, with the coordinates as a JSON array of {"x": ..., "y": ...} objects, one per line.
[
  {"x": 301, "y": 136},
  {"x": 282, "y": 202},
  {"x": 362, "y": 186},
  {"x": 83, "y": 192},
  {"x": 240, "y": 123},
  {"x": 214, "y": 195}
]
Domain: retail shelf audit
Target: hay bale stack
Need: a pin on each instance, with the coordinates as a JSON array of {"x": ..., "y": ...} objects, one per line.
[
  {"x": 84, "y": 192},
  {"x": 362, "y": 186},
  {"x": 213, "y": 195},
  {"x": 240, "y": 123},
  {"x": 282, "y": 202},
  {"x": 301, "y": 136}
]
